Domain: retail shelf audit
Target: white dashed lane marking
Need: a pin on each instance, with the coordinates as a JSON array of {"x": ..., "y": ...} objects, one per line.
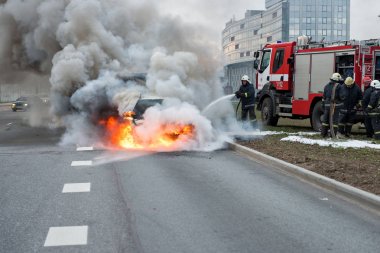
[
  {"x": 77, "y": 187},
  {"x": 81, "y": 163},
  {"x": 66, "y": 236},
  {"x": 85, "y": 148}
]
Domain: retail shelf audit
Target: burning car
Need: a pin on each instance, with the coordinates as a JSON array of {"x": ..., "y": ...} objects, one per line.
[
  {"x": 140, "y": 107},
  {"x": 130, "y": 130}
]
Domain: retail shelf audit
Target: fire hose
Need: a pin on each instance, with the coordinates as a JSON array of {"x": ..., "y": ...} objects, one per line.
[{"x": 237, "y": 108}]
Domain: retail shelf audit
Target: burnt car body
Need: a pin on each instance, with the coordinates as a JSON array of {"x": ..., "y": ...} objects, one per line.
[{"x": 143, "y": 104}]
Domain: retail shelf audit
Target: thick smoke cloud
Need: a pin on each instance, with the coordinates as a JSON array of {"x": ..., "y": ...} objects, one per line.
[{"x": 85, "y": 46}]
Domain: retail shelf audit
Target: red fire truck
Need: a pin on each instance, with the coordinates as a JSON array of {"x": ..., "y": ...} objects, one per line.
[{"x": 291, "y": 76}]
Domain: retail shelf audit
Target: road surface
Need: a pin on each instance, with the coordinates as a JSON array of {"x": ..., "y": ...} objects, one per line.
[{"x": 162, "y": 202}]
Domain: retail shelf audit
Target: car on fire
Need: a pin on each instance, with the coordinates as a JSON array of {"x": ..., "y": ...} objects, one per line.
[{"x": 142, "y": 105}]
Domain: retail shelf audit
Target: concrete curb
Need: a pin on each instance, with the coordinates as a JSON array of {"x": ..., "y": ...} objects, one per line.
[{"x": 365, "y": 199}]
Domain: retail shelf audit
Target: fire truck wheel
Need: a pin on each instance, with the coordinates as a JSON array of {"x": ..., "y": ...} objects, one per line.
[
  {"x": 267, "y": 111},
  {"x": 316, "y": 116}
]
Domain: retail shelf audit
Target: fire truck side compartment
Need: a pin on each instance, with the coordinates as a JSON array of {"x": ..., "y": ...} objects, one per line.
[
  {"x": 302, "y": 77},
  {"x": 321, "y": 70}
]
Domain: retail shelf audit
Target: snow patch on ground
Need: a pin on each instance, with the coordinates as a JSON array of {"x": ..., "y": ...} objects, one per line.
[
  {"x": 302, "y": 137},
  {"x": 253, "y": 133},
  {"x": 258, "y": 132},
  {"x": 332, "y": 143},
  {"x": 305, "y": 133}
]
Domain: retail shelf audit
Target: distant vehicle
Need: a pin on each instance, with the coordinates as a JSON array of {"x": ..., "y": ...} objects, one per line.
[
  {"x": 20, "y": 104},
  {"x": 25, "y": 103}
]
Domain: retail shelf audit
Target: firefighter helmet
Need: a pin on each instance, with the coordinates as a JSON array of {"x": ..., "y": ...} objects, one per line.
[
  {"x": 245, "y": 78},
  {"x": 349, "y": 81},
  {"x": 376, "y": 84},
  {"x": 366, "y": 81},
  {"x": 336, "y": 77}
]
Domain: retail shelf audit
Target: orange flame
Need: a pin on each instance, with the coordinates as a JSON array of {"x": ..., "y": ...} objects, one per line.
[{"x": 121, "y": 133}]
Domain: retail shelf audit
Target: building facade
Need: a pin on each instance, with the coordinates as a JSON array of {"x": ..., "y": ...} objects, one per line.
[{"x": 283, "y": 20}]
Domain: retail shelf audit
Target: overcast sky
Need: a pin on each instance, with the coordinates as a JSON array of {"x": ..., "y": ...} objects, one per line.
[{"x": 365, "y": 22}]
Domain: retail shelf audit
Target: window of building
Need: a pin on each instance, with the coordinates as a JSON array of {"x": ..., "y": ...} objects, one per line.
[
  {"x": 242, "y": 26},
  {"x": 241, "y": 55},
  {"x": 308, "y": 32},
  {"x": 232, "y": 38},
  {"x": 278, "y": 59},
  {"x": 274, "y": 14},
  {"x": 269, "y": 38},
  {"x": 339, "y": 21},
  {"x": 255, "y": 32},
  {"x": 248, "y": 53},
  {"x": 308, "y": 20},
  {"x": 340, "y": 8},
  {"x": 339, "y": 32},
  {"x": 324, "y": 8},
  {"x": 324, "y": 32},
  {"x": 308, "y": 7},
  {"x": 237, "y": 46},
  {"x": 324, "y": 20}
]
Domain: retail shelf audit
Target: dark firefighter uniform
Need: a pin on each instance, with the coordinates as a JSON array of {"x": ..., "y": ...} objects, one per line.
[
  {"x": 367, "y": 118},
  {"x": 373, "y": 111},
  {"x": 331, "y": 97},
  {"x": 352, "y": 96},
  {"x": 246, "y": 93}
]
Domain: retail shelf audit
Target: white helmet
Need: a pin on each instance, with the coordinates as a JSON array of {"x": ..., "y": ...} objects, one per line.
[
  {"x": 245, "y": 78},
  {"x": 375, "y": 83},
  {"x": 349, "y": 81},
  {"x": 336, "y": 77}
]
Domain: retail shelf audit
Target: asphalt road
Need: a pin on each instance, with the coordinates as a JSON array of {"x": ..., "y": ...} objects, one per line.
[{"x": 163, "y": 202}]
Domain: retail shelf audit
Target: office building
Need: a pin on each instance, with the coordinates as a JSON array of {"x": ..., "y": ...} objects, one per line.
[{"x": 283, "y": 20}]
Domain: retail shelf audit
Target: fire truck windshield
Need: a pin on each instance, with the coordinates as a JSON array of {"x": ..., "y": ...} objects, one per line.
[{"x": 265, "y": 60}]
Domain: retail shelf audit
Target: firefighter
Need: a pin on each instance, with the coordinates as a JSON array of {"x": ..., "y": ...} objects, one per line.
[
  {"x": 331, "y": 104},
  {"x": 351, "y": 96},
  {"x": 246, "y": 93},
  {"x": 369, "y": 88},
  {"x": 373, "y": 109}
]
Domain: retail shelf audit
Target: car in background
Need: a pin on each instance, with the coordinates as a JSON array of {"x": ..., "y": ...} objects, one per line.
[
  {"x": 20, "y": 104},
  {"x": 25, "y": 103}
]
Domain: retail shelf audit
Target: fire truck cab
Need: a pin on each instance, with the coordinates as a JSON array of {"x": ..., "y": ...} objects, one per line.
[{"x": 291, "y": 76}]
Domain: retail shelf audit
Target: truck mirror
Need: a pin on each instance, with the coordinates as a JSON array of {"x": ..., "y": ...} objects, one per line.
[
  {"x": 260, "y": 71},
  {"x": 256, "y": 54},
  {"x": 256, "y": 64}
]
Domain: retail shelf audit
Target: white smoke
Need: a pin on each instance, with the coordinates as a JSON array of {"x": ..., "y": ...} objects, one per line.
[
  {"x": 175, "y": 112},
  {"x": 86, "y": 45}
]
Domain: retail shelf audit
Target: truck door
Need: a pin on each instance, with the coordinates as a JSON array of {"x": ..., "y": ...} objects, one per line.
[{"x": 264, "y": 68}]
